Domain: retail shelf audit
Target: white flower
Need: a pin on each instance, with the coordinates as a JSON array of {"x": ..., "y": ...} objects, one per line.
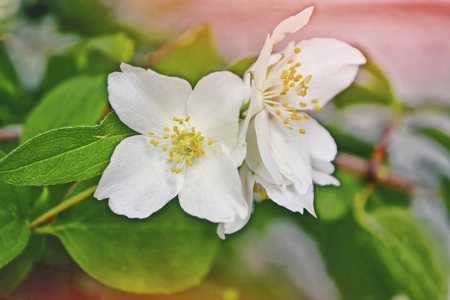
[
  {"x": 286, "y": 148},
  {"x": 184, "y": 147}
]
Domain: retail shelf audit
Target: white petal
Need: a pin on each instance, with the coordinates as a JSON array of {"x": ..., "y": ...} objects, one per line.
[
  {"x": 333, "y": 66},
  {"x": 291, "y": 152},
  {"x": 214, "y": 107},
  {"x": 291, "y": 24},
  {"x": 320, "y": 143},
  {"x": 289, "y": 196},
  {"x": 138, "y": 180},
  {"x": 324, "y": 179},
  {"x": 212, "y": 187},
  {"x": 248, "y": 181},
  {"x": 145, "y": 100},
  {"x": 264, "y": 145},
  {"x": 253, "y": 158}
]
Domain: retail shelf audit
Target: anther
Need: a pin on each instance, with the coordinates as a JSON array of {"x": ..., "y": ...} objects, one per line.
[
  {"x": 298, "y": 64},
  {"x": 278, "y": 112},
  {"x": 187, "y": 118},
  {"x": 286, "y": 89},
  {"x": 178, "y": 159},
  {"x": 314, "y": 101},
  {"x": 173, "y": 135},
  {"x": 175, "y": 119},
  {"x": 166, "y": 129},
  {"x": 286, "y": 121},
  {"x": 152, "y": 141},
  {"x": 210, "y": 142},
  {"x": 156, "y": 144},
  {"x": 298, "y": 118},
  {"x": 292, "y": 84},
  {"x": 302, "y": 104},
  {"x": 171, "y": 159},
  {"x": 284, "y": 104},
  {"x": 297, "y": 50},
  {"x": 282, "y": 93},
  {"x": 165, "y": 148},
  {"x": 151, "y": 133},
  {"x": 193, "y": 129},
  {"x": 317, "y": 107},
  {"x": 302, "y": 131},
  {"x": 290, "y": 61},
  {"x": 306, "y": 116},
  {"x": 166, "y": 136}
]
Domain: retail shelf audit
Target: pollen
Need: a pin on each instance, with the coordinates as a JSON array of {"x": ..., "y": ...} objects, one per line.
[
  {"x": 164, "y": 148},
  {"x": 284, "y": 104},
  {"x": 314, "y": 101},
  {"x": 290, "y": 61},
  {"x": 187, "y": 118},
  {"x": 298, "y": 64},
  {"x": 286, "y": 89},
  {"x": 317, "y": 107},
  {"x": 278, "y": 112},
  {"x": 292, "y": 84},
  {"x": 302, "y": 131},
  {"x": 306, "y": 116},
  {"x": 151, "y": 133},
  {"x": 282, "y": 93},
  {"x": 166, "y": 136},
  {"x": 297, "y": 50},
  {"x": 302, "y": 104},
  {"x": 210, "y": 142},
  {"x": 286, "y": 121}
]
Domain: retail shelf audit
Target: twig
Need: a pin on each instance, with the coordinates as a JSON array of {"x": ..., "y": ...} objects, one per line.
[{"x": 64, "y": 205}]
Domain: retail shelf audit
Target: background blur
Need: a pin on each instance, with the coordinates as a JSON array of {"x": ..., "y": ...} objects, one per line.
[{"x": 384, "y": 234}]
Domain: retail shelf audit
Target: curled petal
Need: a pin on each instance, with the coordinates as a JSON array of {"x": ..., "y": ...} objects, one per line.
[{"x": 248, "y": 181}]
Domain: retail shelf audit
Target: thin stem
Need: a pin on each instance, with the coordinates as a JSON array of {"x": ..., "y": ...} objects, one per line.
[{"x": 63, "y": 206}]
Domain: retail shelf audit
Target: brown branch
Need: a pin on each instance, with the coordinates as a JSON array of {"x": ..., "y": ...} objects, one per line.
[{"x": 382, "y": 175}]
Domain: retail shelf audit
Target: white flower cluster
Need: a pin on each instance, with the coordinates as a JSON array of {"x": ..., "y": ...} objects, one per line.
[{"x": 194, "y": 144}]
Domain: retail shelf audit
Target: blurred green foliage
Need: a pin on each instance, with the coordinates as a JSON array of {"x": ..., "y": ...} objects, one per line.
[{"x": 375, "y": 251}]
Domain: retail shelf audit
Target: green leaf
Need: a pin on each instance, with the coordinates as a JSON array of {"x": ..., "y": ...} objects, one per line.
[
  {"x": 65, "y": 154},
  {"x": 239, "y": 67},
  {"x": 16, "y": 271},
  {"x": 14, "y": 232},
  {"x": 438, "y": 136},
  {"x": 191, "y": 56},
  {"x": 78, "y": 101},
  {"x": 445, "y": 191},
  {"x": 373, "y": 88},
  {"x": 118, "y": 46},
  {"x": 333, "y": 203},
  {"x": 167, "y": 252},
  {"x": 408, "y": 253}
]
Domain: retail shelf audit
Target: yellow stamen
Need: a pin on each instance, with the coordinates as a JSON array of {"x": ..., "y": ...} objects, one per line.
[
  {"x": 171, "y": 159},
  {"x": 286, "y": 121},
  {"x": 165, "y": 148},
  {"x": 298, "y": 64},
  {"x": 306, "y": 116},
  {"x": 317, "y": 107},
  {"x": 314, "y": 101},
  {"x": 151, "y": 133},
  {"x": 193, "y": 129},
  {"x": 302, "y": 104},
  {"x": 286, "y": 89},
  {"x": 152, "y": 141},
  {"x": 298, "y": 118},
  {"x": 166, "y": 136},
  {"x": 187, "y": 118},
  {"x": 278, "y": 112},
  {"x": 284, "y": 104},
  {"x": 302, "y": 131},
  {"x": 210, "y": 142},
  {"x": 156, "y": 144},
  {"x": 290, "y": 61},
  {"x": 283, "y": 93},
  {"x": 297, "y": 50},
  {"x": 292, "y": 84}
]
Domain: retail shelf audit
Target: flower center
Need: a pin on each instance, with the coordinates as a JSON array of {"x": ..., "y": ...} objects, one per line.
[
  {"x": 283, "y": 82},
  {"x": 183, "y": 143}
]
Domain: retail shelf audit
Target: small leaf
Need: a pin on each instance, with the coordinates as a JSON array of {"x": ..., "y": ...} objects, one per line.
[
  {"x": 65, "y": 154},
  {"x": 118, "y": 46},
  {"x": 191, "y": 56},
  {"x": 445, "y": 191},
  {"x": 239, "y": 67},
  {"x": 78, "y": 101},
  {"x": 16, "y": 271},
  {"x": 14, "y": 232},
  {"x": 167, "y": 252},
  {"x": 408, "y": 253},
  {"x": 438, "y": 136},
  {"x": 373, "y": 88},
  {"x": 331, "y": 202}
]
